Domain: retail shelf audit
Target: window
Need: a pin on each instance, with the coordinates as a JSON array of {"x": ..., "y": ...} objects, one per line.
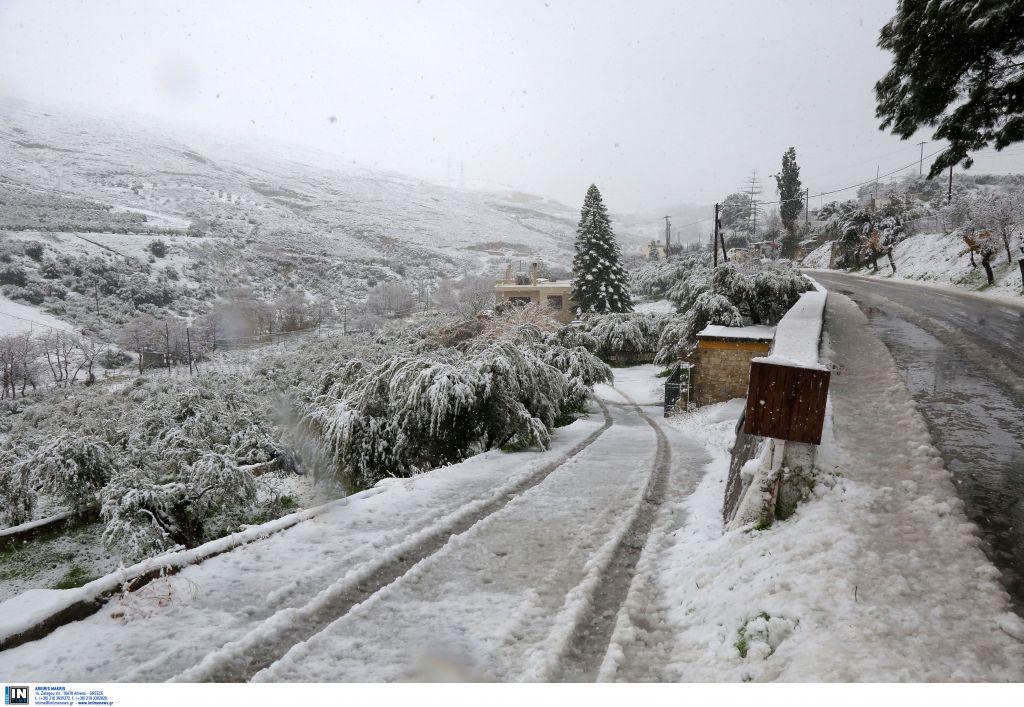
[{"x": 555, "y": 301}]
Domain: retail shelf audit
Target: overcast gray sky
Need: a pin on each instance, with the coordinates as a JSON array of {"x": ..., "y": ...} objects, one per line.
[{"x": 657, "y": 102}]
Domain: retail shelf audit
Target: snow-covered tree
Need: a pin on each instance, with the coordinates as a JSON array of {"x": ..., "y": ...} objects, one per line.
[
  {"x": 791, "y": 197},
  {"x": 19, "y": 498},
  {"x": 599, "y": 282},
  {"x": 726, "y": 295},
  {"x": 168, "y": 462},
  {"x": 680, "y": 333},
  {"x": 624, "y": 337},
  {"x": 73, "y": 469},
  {"x": 986, "y": 220},
  {"x": 505, "y": 385},
  {"x": 734, "y": 213},
  {"x": 1003, "y": 215}
]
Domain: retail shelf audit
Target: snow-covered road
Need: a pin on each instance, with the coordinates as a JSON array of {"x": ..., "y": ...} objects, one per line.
[
  {"x": 959, "y": 355},
  {"x": 500, "y": 567}
]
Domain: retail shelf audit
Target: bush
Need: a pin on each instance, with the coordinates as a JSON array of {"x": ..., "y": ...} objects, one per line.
[
  {"x": 13, "y": 275},
  {"x": 624, "y": 338},
  {"x": 167, "y": 462},
  {"x": 727, "y": 295},
  {"x": 34, "y": 250},
  {"x": 420, "y": 409}
]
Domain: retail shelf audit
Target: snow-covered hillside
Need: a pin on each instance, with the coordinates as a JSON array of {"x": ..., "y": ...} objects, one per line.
[
  {"x": 263, "y": 216},
  {"x": 936, "y": 258},
  {"x": 16, "y": 318}
]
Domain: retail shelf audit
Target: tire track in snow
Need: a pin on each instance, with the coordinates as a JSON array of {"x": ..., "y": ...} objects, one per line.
[
  {"x": 586, "y": 647},
  {"x": 239, "y": 660}
]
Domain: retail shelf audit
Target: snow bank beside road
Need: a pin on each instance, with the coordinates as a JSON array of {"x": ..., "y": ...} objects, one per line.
[
  {"x": 878, "y": 577},
  {"x": 819, "y": 258}
]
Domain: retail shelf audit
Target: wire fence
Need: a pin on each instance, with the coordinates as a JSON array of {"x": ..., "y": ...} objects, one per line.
[{"x": 928, "y": 224}]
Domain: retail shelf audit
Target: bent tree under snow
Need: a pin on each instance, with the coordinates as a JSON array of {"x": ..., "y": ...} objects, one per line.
[{"x": 424, "y": 408}]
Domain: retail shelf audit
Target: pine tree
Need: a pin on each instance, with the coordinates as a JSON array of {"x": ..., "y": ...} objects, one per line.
[
  {"x": 791, "y": 192},
  {"x": 956, "y": 67},
  {"x": 599, "y": 282}
]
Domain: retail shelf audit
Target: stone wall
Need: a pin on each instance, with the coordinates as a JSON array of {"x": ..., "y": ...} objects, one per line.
[{"x": 723, "y": 369}]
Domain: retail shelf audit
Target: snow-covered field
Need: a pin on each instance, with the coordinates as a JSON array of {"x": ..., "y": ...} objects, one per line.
[
  {"x": 16, "y": 318},
  {"x": 285, "y": 198}
]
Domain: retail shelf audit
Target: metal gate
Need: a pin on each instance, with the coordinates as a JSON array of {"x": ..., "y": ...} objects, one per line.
[{"x": 677, "y": 388}]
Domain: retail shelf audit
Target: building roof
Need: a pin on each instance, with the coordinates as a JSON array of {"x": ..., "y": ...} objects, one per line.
[{"x": 747, "y": 333}]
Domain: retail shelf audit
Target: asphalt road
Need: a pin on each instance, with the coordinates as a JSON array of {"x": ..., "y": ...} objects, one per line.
[{"x": 962, "y": 357}]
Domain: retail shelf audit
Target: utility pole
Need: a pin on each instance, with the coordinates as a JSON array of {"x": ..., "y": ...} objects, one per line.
[
  {"x": 714, "y": 244},
  {"x": 344, "y": 320},
  {"x": 949, "y": 194},
  {"x": 725, "y": 256},
  {"x": 920, "y": 164},
  {"x": 96, "y": 291},
  {"x": 188, "y": 339},
  {"x": 754, "y": 190},
  {"x": 807, "y": 209},
  {"x": 167, "y": 345},
  {"x": 668, "y": 235}
]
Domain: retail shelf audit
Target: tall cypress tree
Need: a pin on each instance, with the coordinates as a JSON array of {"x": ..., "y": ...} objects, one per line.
[
  {"x": 599, "y": 283},
  {"x": 791, "y": 192},
  {"x": 791, "y": 201}
]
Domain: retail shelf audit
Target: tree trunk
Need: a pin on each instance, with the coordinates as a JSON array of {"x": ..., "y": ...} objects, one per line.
[
  {"x": 892, "y": 262},
  {"x": 988, "y": 270},
  {"x": 874, "y": 260},
  {"x": 1021, "y": 264},
  {"x": 973, "y": 264}
]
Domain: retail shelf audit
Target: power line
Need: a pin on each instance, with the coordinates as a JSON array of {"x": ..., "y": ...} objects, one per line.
[
  {"x": 858, "y": 184},
  {"x": 31, "y": 321},
  {"x": 852, "y": 186}
]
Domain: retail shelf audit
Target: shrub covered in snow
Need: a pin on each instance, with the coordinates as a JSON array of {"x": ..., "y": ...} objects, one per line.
[
  {"x": 727, "y": 295},
  {"x": 430, "y": 406},
  {"x": 624, "y": 338},
  {"x": 166, "y": 461}
]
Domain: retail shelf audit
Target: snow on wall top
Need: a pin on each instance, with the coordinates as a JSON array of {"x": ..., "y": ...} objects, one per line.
[
  {"x": 757, "y": 333},
  {"x": 798, "y": 333}
]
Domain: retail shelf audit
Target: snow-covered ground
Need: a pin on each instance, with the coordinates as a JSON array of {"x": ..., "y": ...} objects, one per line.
[
  {"x": 819, "y": 258},
  {"x": 16, "y": 318},
  {"x": 878, "y": 577},
  {"x": 934, "y": 259},
  {"x": 182, "y": 619},
  {"x": 659, "y": 306}
]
